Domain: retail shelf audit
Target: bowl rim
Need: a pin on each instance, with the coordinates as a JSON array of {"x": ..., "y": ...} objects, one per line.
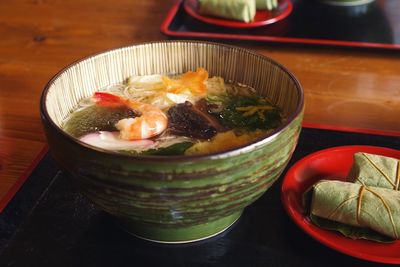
[{"x": 175, "y": 158}]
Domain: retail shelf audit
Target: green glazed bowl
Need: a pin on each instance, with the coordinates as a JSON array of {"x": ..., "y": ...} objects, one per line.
[
  {"x": 346, "y": 2},
  {"x": 173, "y": 198}
]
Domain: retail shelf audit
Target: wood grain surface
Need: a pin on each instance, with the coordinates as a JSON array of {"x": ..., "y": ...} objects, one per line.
[{"x": 343, "y": 87}]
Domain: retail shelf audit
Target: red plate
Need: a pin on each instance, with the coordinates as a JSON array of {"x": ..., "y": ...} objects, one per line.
[
  {"x": 333, "y": 163},
  {"x": 262, "y": 17}
]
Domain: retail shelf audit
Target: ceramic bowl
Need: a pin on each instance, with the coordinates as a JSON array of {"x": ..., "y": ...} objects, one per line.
[
  {"x": 346, "y": 2},
  {"x": 173, "y": 198},
  {"x": 347, "y": 8}
]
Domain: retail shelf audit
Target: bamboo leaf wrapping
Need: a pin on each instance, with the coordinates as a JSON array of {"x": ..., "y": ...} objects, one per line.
[
  {"x": 243, "y": 10},
  {"x": 353, "y": 232},
  {"x": 266, "y": 4},
  {"x": 375, "y": 170},
  {"x": 355, "y": 204}
]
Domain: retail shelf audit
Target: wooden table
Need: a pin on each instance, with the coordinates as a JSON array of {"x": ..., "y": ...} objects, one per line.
[{"x": 343, "y": 87}]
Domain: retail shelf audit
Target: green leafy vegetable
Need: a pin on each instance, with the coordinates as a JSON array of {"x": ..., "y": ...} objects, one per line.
[{"x": 250, "y": 112}]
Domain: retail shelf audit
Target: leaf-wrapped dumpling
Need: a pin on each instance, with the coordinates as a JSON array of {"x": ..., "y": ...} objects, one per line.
[
  {"x": 266, "y": 4},
  {"x": 243, "y": 10},
  {"x": 354, "y": 204},
  {"x": 375, "y": 170}
]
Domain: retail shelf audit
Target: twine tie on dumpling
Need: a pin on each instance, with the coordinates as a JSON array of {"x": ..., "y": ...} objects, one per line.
[
  {"x": 394, "y": 185},
  {"x": 362, "y": 190}
]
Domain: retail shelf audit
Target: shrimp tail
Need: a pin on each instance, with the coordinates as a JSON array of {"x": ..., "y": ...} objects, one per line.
[
  {"x": 151, "y": 121},
  {"x": 107, "y": 100}
]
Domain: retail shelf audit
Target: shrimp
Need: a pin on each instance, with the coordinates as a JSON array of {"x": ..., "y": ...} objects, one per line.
[{"x": 151, "y": 122}]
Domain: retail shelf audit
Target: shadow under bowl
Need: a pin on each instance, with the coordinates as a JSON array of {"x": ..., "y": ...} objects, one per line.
[
  {"x": 173, "y": 198},
  {"x": 344, "y": 8}
]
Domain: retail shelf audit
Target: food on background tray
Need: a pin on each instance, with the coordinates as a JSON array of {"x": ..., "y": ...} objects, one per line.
[
  {"x": 173, "y": 115},
  {"x": 375, "y": 170},
  {"x": 242, "y": 10},
  {"x": 365, "y": 207},
  {"x": 361, "y": 211},
  {"x": 266, "y": 4}
]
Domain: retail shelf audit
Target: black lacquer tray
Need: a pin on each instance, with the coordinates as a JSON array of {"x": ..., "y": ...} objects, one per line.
[
  {"x": 48, "y": 223},
  {"x": 375, "y": 25}
]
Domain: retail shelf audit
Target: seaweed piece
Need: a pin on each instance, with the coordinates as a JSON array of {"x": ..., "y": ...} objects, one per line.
[{"x": 96, "y": 118}]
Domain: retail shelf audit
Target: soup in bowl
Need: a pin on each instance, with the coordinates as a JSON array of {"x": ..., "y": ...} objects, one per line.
[{"x": 173, "y": 138}]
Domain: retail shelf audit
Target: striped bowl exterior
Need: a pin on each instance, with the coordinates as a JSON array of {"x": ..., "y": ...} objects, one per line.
[{"x": 174, "y": 198}]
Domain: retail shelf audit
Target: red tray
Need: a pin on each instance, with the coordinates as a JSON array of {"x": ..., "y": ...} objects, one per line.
[{"x": 375, "y": 25}]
